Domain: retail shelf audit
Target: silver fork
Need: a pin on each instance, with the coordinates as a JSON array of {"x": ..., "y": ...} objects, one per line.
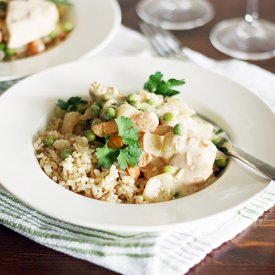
[
  {"x": 163, "y": 42},
  {"x": 166, "y": 44}
]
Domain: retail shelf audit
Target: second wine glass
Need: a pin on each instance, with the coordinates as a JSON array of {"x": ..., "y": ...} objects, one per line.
[{"x": 248, "y": 38}]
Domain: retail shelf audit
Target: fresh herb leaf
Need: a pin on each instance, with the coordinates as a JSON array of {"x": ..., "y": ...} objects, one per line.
[
  {"x": 106, "y": 156},
  {"x": 72, "y": 104},
  {"x": 126, "y": 130},
  {"x": 153, "y": 82},
  {"x": 157, "y": 85},
  {"x": 129, "y": 155},
  {"x": 124, "y": 156},
  {"x": 219, "y": 131}
]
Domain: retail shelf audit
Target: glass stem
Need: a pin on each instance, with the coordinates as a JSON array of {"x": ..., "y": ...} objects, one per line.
[{"x": 252, "y": 11}]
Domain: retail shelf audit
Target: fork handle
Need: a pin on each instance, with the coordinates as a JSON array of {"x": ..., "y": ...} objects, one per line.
[{"x": 260, "y": 166}]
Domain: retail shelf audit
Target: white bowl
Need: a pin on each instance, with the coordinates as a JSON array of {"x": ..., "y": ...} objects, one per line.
[
  {"x": 96, "y": 22},
  {"x": 25, "y": 107}
]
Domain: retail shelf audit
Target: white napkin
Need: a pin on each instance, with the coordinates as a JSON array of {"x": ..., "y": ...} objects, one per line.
[{"x": 168, "y": 252}]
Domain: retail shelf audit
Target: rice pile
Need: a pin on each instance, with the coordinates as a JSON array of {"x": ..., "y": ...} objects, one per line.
[{"x": 79, "y": 172}]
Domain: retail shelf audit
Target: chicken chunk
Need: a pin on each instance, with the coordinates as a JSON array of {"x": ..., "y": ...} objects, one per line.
[{"x": 30, "y": 20}]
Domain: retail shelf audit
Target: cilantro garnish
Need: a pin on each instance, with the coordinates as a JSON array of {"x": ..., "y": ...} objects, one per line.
[
  {"x": 124, "y": 156},
  {"x": 157, "y": 85},
  {"x": 106, "y": 156},
  {"x": 129, "y": 155},
  {"x": 72, "y": 104},
  {"x": 126, "y": 130}
]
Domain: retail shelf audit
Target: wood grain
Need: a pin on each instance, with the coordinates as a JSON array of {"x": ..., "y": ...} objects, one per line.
[{"x": 252, "y": 252}]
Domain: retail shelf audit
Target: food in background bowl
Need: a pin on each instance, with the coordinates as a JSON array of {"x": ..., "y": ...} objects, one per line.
[
  {"x": 145, "y": 147},
  {"x": 30, "y": 27}
]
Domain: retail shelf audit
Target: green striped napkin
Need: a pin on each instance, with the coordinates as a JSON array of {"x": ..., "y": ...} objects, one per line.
[{"x": 169, "y": 252}]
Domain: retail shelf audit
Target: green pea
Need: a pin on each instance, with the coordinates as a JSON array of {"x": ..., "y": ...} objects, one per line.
[
  {"x": 221, "y": 162},
  {"x": 49, "y": 140},
  {"x": 90, "y": 136},
  {"x": 168, "y": 116},
  {"x": 106, "y": 97},
  {"x": 135, "y": 104},
  {"x": 179, "y": 129},
  {"x": 110, "y": 113},
  {"x": 53, "y": 34},
  {"x": 68, "y": 26},
  {"x": 66, "y": 153},
  {"x": 132, "y": 97},
  {"x": 168, "y": 169},
  {"x": 9, "y": 52},
  {"x": 150, "y": 102},
  {"x": 95, "y": 110}
]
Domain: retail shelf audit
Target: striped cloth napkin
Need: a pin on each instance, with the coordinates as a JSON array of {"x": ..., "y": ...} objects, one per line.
[{"x": 168, "y": 252}]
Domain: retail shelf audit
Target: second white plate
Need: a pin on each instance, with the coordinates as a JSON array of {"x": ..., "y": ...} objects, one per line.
[{"x": 96, "y": 22}]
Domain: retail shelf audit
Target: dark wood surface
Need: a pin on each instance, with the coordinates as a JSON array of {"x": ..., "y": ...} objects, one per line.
[{"x": 251, "y": 252}]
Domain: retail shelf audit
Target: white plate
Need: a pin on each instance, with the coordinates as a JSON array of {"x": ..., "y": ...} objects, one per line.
[
  {"x": 25, "y": 107},
  {"x": 96, "y": 22}
]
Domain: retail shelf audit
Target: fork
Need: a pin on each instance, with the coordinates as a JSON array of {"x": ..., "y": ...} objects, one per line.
[
  {"x": 166, "y": 44},
  {"x": 163, "y": 42}
]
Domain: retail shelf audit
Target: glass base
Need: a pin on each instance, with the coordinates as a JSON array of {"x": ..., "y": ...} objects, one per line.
[
  {"x": 175, "y": 14},
  {"x": 243, "y": 40}
]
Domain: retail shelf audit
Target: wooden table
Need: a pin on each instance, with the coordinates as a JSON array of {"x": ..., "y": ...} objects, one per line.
[{"x": 251, "y": 252}]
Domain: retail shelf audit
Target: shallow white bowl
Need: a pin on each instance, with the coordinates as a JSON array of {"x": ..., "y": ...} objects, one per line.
[
  {"x": 96, "y": 22},
  {"x": 25, "y": 107}
]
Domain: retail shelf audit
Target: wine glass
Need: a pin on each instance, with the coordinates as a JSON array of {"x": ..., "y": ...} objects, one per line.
[
  {"x": 248, "y": 38},
  {"x": 175, "y": 14}
]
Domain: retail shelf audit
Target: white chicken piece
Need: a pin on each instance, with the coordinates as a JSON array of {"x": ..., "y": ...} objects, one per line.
[
  {"x": 30, "y": 20},
  {"x": 144, "y": 121},
  {"x": 126, "y": 110},
  {"x": 195, "y": 161},
  {"x": 160, "y": 188},
  {"x": 176, "y": 106},
  {"x": 97, "y": 90},
  {"x": 192, "y": 156},
  {"x": 163, "y": 146},
  {"x": 184, "y": 114},
  {"x": 152, "y": 144},
  {"x": 201, "y": 129},
  {"x": 145, "y": 96}
]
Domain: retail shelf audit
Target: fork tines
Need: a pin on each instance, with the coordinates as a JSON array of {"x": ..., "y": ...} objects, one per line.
[{"x": 163, "y": 42}]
